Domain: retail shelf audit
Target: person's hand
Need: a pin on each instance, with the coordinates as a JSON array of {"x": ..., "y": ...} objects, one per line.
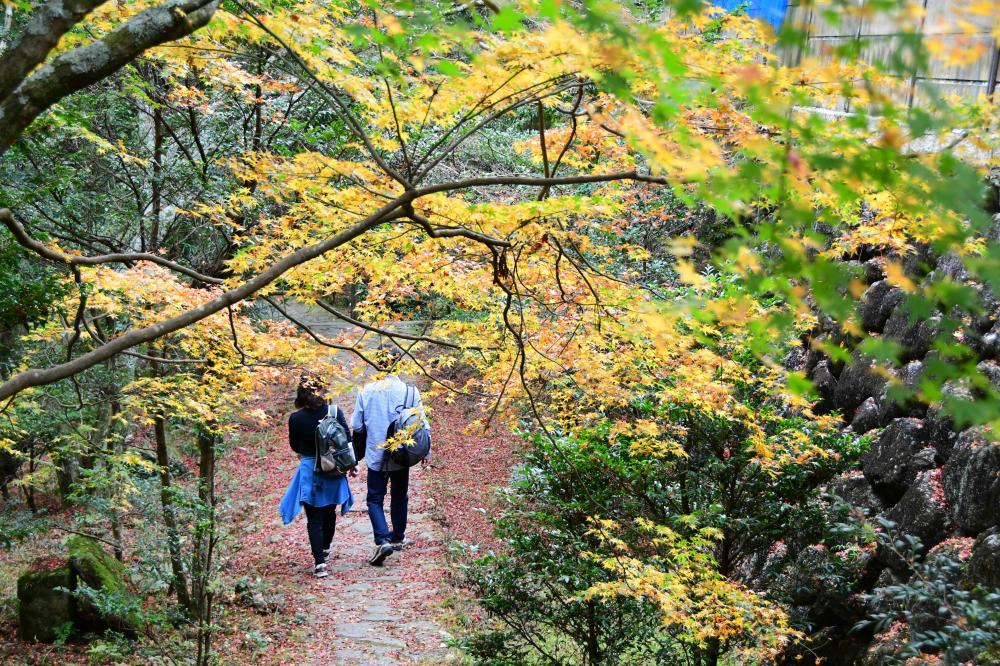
[
  {"x": 354, "y": 471},
  {"x": 424, "y": 464}
]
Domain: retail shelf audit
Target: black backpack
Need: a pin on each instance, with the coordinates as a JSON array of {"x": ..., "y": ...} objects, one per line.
[
  {"x": 334, "y": 453},
  {"x": 410, "y": 421}
]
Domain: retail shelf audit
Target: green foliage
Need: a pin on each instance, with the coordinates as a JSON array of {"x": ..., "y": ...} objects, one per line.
[
  {"x": 942, "y": 618},
  {"x": 28, "y": 291},
  {"x": 18, "y": 524},
  {"x": 111, "y": 648},
  {"x": 534, "y": 587},
  {"x": 931, "y": 609},
  {"x": 64, "y": 632}
]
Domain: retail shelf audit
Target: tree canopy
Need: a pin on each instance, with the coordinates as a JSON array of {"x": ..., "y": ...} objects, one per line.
[{"x": 172, "y": 169}]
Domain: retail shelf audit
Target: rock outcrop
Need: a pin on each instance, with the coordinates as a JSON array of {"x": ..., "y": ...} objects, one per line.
[
  {"x": 44, "y": 604},
  {"x": 972, "y": 482},
  {"x": 49, "y": 602},
  {"x": 984, "y": 563},
  {"x": 900, "y": 453},
  {"x": 924, "y": 472}
]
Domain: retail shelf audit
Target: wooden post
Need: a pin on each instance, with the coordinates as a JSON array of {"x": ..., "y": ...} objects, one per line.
[{"x": 991, "y": 82}]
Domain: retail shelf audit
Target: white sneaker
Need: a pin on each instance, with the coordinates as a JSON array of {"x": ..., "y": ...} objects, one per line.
[
  {"x": 320, "y": 571},
  {"x": 382, "y": 551}
]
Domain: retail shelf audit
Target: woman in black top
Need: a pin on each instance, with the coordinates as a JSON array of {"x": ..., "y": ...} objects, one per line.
[{"x": 318, "y": 494}]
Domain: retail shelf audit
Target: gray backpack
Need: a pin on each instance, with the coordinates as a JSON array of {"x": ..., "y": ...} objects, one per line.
[
  {"x": 334, "y": 452},
  {"x": 411, "y": 421}
]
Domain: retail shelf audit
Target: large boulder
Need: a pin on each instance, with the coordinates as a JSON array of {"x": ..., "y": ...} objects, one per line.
[
  {"x": 950, "y": 265},
  {"x": 824, "y": 380},
  {"x": 989, "y": 345},
  {"x": 950, "y": 558},
  {"x": 984, "y": 321},
  {"x": 874, "y": 269},
  {"x": 93, "y": 567},
  {"x": 891, "y": 406},
  {"x": 939, "y": 421},
  {"x": 795, "y": 359},
  {"x": 866, "y": 417},
  {"x": 877, "y": 303},
  {"x": 54, "y": 594},
  {"x": 972, "y": 481},
  {"x": 44, "y": 604},
  {"x": 946, "y": 563},
  {"x": 913, "y": 336},
  {"x": 807, "y": 574},
  {"x": 921, "y": 512},
  {"x": 860, "y": 380},
  {"x": 853, "y": 488},
  {"x": 984, "y": 563},
  {"x": 900, "y": 453},
  {"x": 990, "y": 370},
  {"x": 918, "y": 263}
]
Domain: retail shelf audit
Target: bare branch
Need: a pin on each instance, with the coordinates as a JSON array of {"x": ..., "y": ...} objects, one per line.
[
  {"x": 236, "y": 338},
  {"x": 26, "y": 241},
  {"x": 162, "y": 359},
  {"x": 315, "y": 336},
  {"x": 386, "y": 332},
  {"x": 539, "y": 181},
  {"x": 453, "y": 232}
]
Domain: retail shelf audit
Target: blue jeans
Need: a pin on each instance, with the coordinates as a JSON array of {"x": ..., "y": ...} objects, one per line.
[{"x": 398, "y": 483}]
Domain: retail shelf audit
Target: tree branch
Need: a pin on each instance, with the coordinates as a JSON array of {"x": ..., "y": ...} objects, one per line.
[
  {"x": 39, "y": 377},
  {"x": 49, "y": 22},
  {"x": 87, "y": 64},
  {"x": 399, "y": 207},
  {"x": 454, "y": 232},
  {"x": 344, "y": 112},
  {"x": 386, "y": 332},
  {"x": 26, "y": 241},
  {"x": 312, "y": 334}
]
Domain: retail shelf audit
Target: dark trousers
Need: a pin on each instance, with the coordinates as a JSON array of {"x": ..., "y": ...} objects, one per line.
[
  {"x": 321, "y": 523},
  {"x": 398, "y": 483}
]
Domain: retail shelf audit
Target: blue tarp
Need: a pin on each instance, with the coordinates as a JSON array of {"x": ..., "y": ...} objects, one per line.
[{"x": 771, "y": 11}]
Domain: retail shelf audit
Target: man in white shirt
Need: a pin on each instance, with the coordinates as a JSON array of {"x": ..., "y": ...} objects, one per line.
[{"x": 378, "y": 405}]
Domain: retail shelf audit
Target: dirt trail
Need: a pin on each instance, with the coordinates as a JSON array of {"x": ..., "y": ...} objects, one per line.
[
  {"x": 380, "y": 615},
  {"x": 363, "y": 615},
  {"x": 360, "y": 615}
]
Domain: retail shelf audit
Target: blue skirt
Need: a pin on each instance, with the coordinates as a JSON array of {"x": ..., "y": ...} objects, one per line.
[{"x": 314, "y": 489}]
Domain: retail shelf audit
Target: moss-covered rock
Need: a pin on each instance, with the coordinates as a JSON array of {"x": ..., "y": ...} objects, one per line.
[
  {"x": 44, "y": 603},
  {"x": 94, "y": 568}
]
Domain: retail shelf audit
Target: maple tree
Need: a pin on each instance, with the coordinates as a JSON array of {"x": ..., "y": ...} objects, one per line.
[{"x": 350, "y": 168}]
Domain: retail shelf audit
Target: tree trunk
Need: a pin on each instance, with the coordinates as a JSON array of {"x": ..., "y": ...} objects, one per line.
[
  {"x": 169, "y": 518},
  {"x": 710, "y": 655},
  {"x": 29, "y": 491},
  {"x": 204, "y": 550},
  {"x": 112, "y": 447},
  {"x": 593, "y": 647}
]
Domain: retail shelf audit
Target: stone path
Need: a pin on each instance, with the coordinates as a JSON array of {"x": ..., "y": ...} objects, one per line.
[{"x": 379, "y": 616}]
